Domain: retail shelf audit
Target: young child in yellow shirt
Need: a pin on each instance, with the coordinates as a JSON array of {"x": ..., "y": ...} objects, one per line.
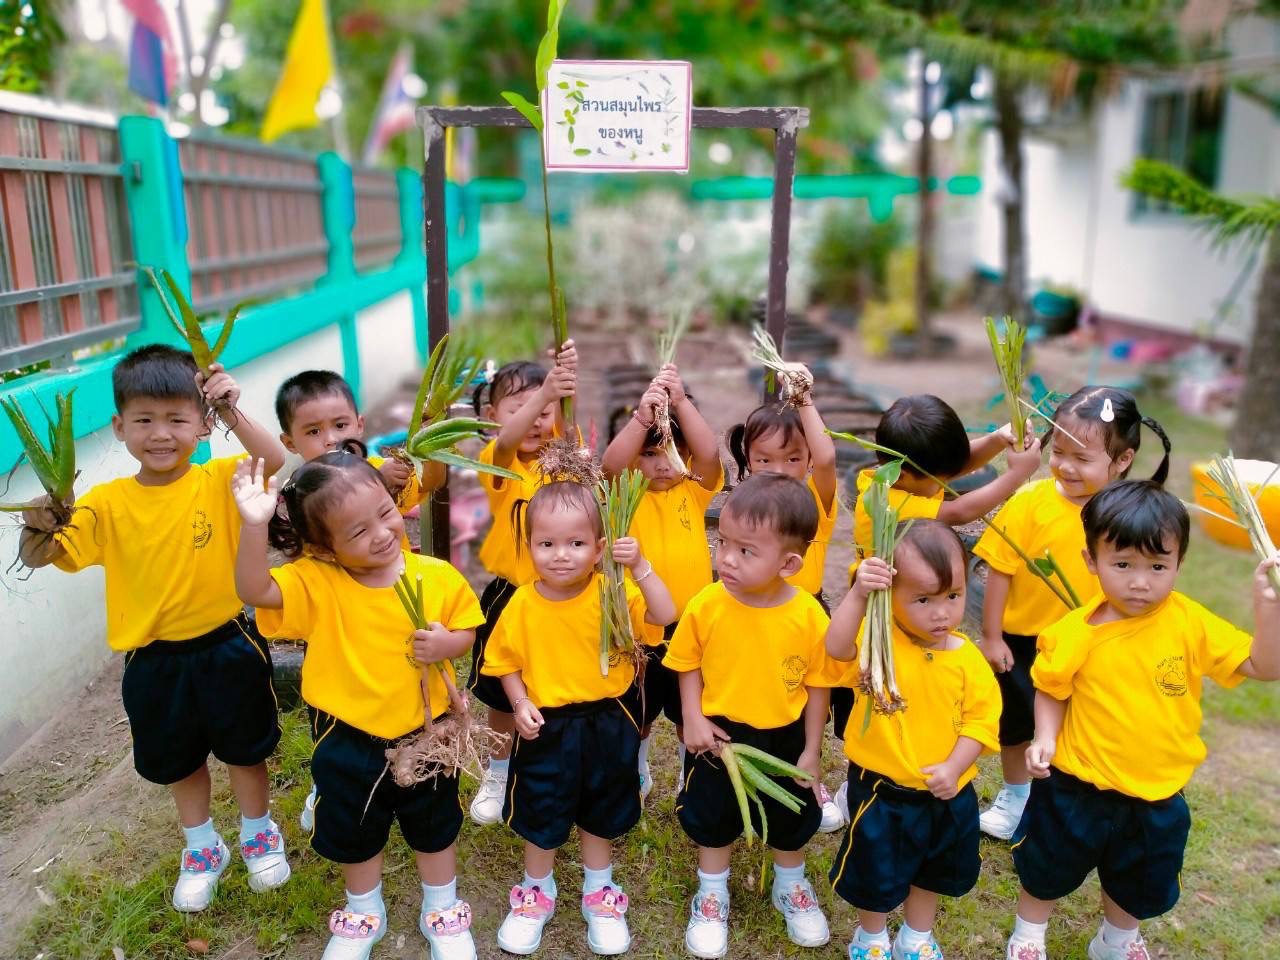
[
  {"x": 197, "y": 676},
  {"x": 670, "y": 525},
  {"x": 1097, "y": 432},
  {"x": 1117, "y": 722},
  {"x": 914, "y": 835},
  {"x": 753, "y": 670},
  {"x": 362, "y": 679},
  {"x": 575, "y": 760},
  {"x": 524, "y": 399}
]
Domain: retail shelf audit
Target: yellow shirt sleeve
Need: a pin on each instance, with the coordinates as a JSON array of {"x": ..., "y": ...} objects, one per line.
[
  {"x": 823, "y": 671},
  {"x": 505, "y": 651},
  {"x": 1060, "y": 651},
  {"x": 980, "y": 713},
  {"x": 1223, "y": 647},
  {"x": 992, "y": 547},
  {"x": 684, "y": 653},
  {"x": 85, "y": 538},
  {"x": 296, "y": 616}
]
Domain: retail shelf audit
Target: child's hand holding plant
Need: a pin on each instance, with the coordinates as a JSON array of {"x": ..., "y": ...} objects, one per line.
[
  {"x": 873, "y": 574},
  {"x": 396, "y": 473},
  {"x": 219, "y": 388},
  {"x": 431, "y": 645},
  {"x": 701, "y": 735},
  {"x": 668, "y": 379}
]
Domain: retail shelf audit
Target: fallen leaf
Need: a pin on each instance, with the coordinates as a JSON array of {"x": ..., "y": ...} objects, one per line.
[
  {"x": 198, "y": 946},
  {"x": 118, "y": 954},
  {"x": 45, "y": 896},
  {"x": 399, "y": 943},
  {"x": 1206, "y": 898}
]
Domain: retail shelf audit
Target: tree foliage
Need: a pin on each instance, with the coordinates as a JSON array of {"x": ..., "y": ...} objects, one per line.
[
  {"x": 31, "y": 33},
  {"x": 1252, "y": 219}
]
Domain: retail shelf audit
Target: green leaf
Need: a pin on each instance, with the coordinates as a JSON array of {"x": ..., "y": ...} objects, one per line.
[
  {"x": 550, "y": 40},
  {"x": 563, "y": 85},
  {"x": 450, "y": 459},
  {"x": 581, "y": 151},
  {"x": 888, "y": 473},
  {"x": 527, "y": 109}
]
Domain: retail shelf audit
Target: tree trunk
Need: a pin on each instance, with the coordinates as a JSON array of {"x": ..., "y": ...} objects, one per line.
[
  {"x": 925, "y": 226},
  {"x": 1256, "y": 435},
  {"x": 1009, "y": 126}
]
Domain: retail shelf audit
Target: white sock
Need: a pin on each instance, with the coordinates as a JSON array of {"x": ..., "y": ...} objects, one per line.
[
  {"x": 370, "y": 902},
  {"x": 644, "y": 749},
  {"x": 593, "y": 880},
  {"x": 439, "y": 898},
  {"x": 1019, "y": 790},
  {"x": 717, "y": 883},
  {"x": 864, "y": 939},
  {"x": 1031, "y": 932},
  {"x": 910, "y": 939},
  {"x": 203, "y": 837},
  {"x": 498, "y": 768},
  {"x": 784, "y": 878},
  {"x": 250, "y": 827},
  {"x": 547, "y": 884},
  {"x": 1114, "y": 936}
]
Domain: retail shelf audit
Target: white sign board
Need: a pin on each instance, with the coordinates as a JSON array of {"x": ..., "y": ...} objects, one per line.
[{"x": 620, "y": 115}]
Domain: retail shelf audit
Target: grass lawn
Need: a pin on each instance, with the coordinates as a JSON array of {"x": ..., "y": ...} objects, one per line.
[{"x": 1231, "y": 884}]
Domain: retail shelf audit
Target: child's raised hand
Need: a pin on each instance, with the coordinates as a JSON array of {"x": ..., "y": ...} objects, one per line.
[
  {"x": 528, "y": 719},
  {"x": 561, "y": 382},
  {"x": 1005, "y": 433},
  {"x": 873, "y": 574},
  {"x": 1024, "y": 462},
  {"x": 811, "y": 763},
  {"x": 1040, "y": 756},
  {"x": 701, "y": 735},
  {"x": 1264, "y": 591},
  {"x": 669, "y": 379},
  {"x": 429, "y": 644},
  {"x": 219, "y": 387},
  {"x": 396, "y": 473},
  {"x": 256, "y": 495},
  {"x": 566, "y": 356},
  {"x": 626, "y": 551},
  {"x": 941, "y": 779},
  {"x": 654, "y": 396}
]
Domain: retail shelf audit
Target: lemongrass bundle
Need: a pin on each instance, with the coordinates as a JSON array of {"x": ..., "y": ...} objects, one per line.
[
  {"x": 1235, "y": 496},
  {"x": 1044, "y": 568},
  {"x": 877, "y": 680},
  {"x": 1008, "y": 355},
  {"x": 795, "y": 384},
  {"x": 619, "y": 500},
  {"x": 453, "y": 744},
  {"x": 668, "y": 340},
  {"x": 187, "y": 324},
  {"x": 54, "y": 465}
]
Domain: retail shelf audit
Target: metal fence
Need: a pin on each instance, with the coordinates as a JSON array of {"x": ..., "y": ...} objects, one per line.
[
  {"x": 377, "y": 236},
  {"x": 66, "y": 280},
  {"x": 257, "y": 220}
]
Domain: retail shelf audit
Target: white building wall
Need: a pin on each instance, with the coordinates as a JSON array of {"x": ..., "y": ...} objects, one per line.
[{"x": 54, "y": 635}]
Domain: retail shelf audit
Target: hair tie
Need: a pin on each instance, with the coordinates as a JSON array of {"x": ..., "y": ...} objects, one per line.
[
  {"x": 282, "y": 508},
  {"x": 490, "y": 369},
  {"x": 1108, "y": 412}
]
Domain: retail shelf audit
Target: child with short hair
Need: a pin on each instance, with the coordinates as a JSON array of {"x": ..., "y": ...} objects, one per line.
[
  {"x": 670, "y": 525},
  {"x": 574, "y": 763},
  {"x": 1096, "y": 434},
  {"x": 1117, "y": 722},
  {"x": 197, "y": 676},
  {"x": 753, "y": 670},
  {"x": 523, "y": 398},
  {"x": 362, "y": 679},
  {"x": 914, "y": 834}
]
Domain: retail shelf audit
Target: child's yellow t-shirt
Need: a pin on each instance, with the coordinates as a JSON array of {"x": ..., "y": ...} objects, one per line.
[
  {"x": 671, "y": 527},
  {"x": 498, "y": 553},
  {"x": 1038, "y": 518},
  {"x": 756, "y": 661},
  {"x": 949, "y": 694},
  {"x": 1132, "y": 688},
  {"x": 359, "y": 664},
  {"x": 411, "y": 495},
  {"x": 910, "y": 506},
  {"x": 169, "y": 553},
  {"x": 555, "y": 646},
  {"x": 809, "y": 579}
]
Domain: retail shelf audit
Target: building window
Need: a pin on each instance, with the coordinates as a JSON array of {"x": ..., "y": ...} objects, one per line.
[{"x": 1183, "y": 128}]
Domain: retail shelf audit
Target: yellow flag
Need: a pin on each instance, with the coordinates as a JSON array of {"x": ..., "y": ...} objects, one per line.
[{"x": 308, "y": 67}]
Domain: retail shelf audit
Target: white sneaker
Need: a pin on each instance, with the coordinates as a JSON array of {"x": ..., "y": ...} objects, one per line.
[
  {"x": 265, "y": 859},
  {"x": 832, "y": 817},
  {"x": 198, "y": 874},
  {"x": 1019, "y": 949},
  {"x": 521, "y": 931},
  {"x": 929, "y": 950},
  {"x": 646, "y": 781},
  {"x": 842, "y": 800},
  {"x": 448, "y": 932},
  {"x": 605, "y": 913},
  {"x": 486, "y": 808},
  {"x": 806, "y": 924},
  {"x": 1135, "y": 949},
  {"x": 707, "y": 933},
  {"x": 307, "y": 818},
  {"x": 353, "y": 935},
  {"x": 1001, "y": 819}
]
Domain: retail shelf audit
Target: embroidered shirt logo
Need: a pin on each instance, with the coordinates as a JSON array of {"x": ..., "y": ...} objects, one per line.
[
  {"x": 682, "y": 513},
  {"x": 1171, "y": 677},
  {"x": 793, "y": 669},
  {"x": 202, "y": 532}
]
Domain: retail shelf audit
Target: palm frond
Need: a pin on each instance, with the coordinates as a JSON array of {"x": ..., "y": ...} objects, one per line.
[{"x": 1251, "y": 219}]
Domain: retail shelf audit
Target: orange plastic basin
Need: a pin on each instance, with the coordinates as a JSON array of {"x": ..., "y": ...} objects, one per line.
[{"x": 1253, "y": 472}]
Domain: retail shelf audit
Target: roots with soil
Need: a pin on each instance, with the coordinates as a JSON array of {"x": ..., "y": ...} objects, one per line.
[{"x": 564, "y": 458}]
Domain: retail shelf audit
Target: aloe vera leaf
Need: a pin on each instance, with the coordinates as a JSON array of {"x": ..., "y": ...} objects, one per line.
[
  {"x": 450, "y": 459},
  {"x": 770, "y": 763},
  {"x": 164, "y": 301},
  {"x": 63, "y": 447},
  {"x": 191, "y": 325},
  {"x": 730, "y": 761},
  {"x": 751, "y": 774},
  {"x": 224, "y": 334},
  {"x": 40, "y": 459}
]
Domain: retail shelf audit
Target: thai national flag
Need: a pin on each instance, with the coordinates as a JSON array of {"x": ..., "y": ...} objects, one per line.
[
  {"x": 152, "y": 66},
  {"x": 395, "y": 107}
]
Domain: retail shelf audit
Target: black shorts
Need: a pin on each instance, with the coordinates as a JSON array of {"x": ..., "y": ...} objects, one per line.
[
  {"x": 581, "y": 770},
  {"x": 1070, "y": 827},
  {"x": 902, "y": 838},
  {"x": 488, "y": 690},
  {"x": 346, "y": 764},
  {"x": 1018, "y": 693},
  {"x": 212, "y": 694},
  {"x": 661, "y": 685},
  {"x": 708, "y": 809}
]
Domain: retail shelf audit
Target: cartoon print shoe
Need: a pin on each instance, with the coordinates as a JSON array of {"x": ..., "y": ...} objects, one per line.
[
  {"x": 707, "y": 933},
  {"x": 264, "y": 857},
  {"x": 521, "y": 931},
  {"x": 929, "y": 951},
  {"x": 806, "y": 924},
  {"x": 1099, "y": 949},
  {"x": 448, "y": 932},
  {"x": 1019, "y": 949},
  {"x": 877, "y": 951},
  {"x": 353, "y": 934},
  {"x": 198, "y": 875},
  {"x": 607, "y": 933}
]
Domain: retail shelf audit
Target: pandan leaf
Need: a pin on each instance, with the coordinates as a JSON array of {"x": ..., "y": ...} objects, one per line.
[{"x": 527, "y": 109}]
